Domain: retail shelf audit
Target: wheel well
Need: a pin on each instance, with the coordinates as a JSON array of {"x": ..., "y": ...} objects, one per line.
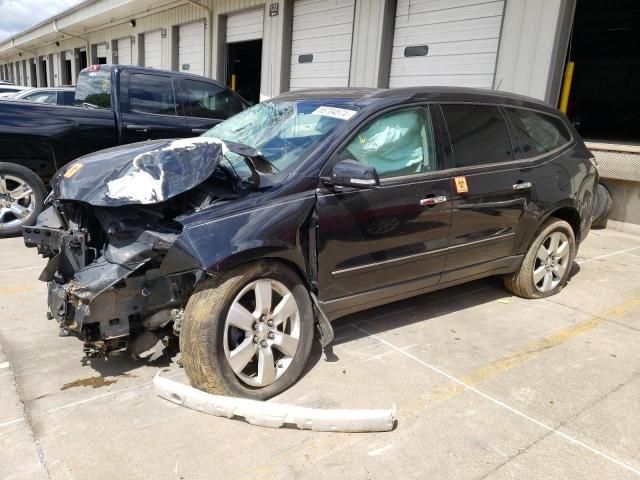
[{"x": 572, "y": 217}]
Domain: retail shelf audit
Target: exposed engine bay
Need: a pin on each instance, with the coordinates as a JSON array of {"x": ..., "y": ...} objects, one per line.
[{"x": 114, "y": 278}]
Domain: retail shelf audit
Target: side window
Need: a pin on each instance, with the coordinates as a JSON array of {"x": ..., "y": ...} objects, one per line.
[
  {"x": 208, "y": 100},
  {"x": 398, "y": 143},
  {"x": 67, "y": 98},
  {"x": 536, "y": 133},
  {"x": 478, "y": 135},
  {"x": 42, "y": 97},
  {"x": 151, "y": 94}
]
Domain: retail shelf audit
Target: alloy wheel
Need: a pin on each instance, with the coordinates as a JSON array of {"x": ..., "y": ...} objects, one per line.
[
  {"x": 17, "y": 201},
  {"x": 551, "y": 262},
  {"x": 262, "y": 332}
]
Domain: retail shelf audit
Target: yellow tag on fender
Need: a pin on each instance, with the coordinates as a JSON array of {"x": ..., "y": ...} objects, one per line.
[
  {"x": 72, "y": 170},
  {"x": 461, "y": 184}
]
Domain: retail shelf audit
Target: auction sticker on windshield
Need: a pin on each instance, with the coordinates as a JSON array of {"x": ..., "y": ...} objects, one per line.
[{"x": 335, "y": 112}]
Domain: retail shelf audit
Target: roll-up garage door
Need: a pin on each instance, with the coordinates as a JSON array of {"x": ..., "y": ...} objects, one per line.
[
  {"x": 191, "y": 48},
  {"x": 321, "y": 43},
  {"x": 124, "y": 51},
  {"x": 445, "y": 43},
  {"x": 245, "y": 26},
  {"x": 101, "y": 52},
  {"x": 153, "y": 49}
]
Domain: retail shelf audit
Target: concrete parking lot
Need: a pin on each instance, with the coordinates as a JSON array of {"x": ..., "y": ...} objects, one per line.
[{"x": 487, "y": 386}]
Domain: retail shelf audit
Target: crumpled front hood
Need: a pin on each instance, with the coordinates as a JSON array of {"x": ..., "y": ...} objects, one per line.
[{"x": 141, "y": 173}]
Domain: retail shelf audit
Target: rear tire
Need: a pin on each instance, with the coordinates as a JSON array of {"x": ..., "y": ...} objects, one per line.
[
  {"x": 602, "y": 208},
  {"x": 225, "y": 322},
  {"x": 22, "y": 195},
  {"x": 547, "y": 263}
]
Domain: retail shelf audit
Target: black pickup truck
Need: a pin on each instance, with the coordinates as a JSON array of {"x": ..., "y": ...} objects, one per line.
[{"x": 113, "y": 105}]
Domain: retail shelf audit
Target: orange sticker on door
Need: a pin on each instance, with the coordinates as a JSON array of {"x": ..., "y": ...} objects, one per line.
[{"x": 461, "y": 184}]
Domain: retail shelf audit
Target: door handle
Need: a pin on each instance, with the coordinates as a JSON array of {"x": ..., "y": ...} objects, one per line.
[
  {"x": 138, "y": 128},
  {"x": 432, "y": 201},
  {"x": 522, "y": 185},
  {"x": 198, "y": 130}
]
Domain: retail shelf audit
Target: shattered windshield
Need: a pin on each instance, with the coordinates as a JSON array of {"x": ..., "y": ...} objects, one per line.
[{"x": 283, "y": 132}]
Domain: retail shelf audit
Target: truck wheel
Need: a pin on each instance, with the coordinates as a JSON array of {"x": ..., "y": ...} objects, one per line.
[
  {"x": 248, "y": 332},
  {"x": 22, "y": 196},
  {"x": 547, "y": 263}
]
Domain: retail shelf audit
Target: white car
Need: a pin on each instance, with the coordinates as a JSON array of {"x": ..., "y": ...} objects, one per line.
[
  {"x": 9, "y": 91},
  {"x": 54, "y": 95}
]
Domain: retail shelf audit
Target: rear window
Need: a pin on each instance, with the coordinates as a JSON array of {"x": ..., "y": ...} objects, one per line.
[
  {"x": 536, "y": 133},
  {"x": 478, "y": 135},
  {"x": 93, "y": 89},
  {"x": 150, "y": 93}
]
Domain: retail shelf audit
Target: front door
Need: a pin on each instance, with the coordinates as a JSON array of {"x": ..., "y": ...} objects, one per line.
[
  {"x": 372, "y": 240},
  {"x": 491, "y": 191}
]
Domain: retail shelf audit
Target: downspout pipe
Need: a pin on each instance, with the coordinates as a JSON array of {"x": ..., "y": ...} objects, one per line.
[
  {"x": 209, "y": 34},
  {"x": 86, "y": 40}
]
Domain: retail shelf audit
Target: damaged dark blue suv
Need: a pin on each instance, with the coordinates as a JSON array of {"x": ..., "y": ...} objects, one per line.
[{"x": 303, "y": 209}]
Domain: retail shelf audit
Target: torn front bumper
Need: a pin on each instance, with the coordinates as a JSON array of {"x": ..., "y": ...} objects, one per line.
[
  {"x": 107, "y": 297},
  {"x": 275, "y": 415}
]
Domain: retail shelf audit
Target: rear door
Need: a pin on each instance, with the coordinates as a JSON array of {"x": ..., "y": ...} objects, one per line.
[
  {"x": 492, "y": 192},
  {"x": 206, "y": 104},
  {"x": 370, "y": 240},
  {"x": 149, "y": 108}
]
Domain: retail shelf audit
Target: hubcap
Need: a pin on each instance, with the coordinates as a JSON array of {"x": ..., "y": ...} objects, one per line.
[
  {"x": 262, "y": 332},
  {"x": 17, "y": 201},
  {"x": 551, "y": 262}
]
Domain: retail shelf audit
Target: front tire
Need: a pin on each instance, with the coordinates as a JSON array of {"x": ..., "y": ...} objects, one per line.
[
  {"x": 547, "y": 263},
  {"x": 22, "y": 196},
  {"x": 248, "y": 332}
]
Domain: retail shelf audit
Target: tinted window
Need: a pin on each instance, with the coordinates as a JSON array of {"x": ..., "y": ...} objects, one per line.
[
  {"x": 42, "y": 97},
  {"x": 67, "y": 98},
  {"x": 536, "y": 133},
  {"x": 396, "y": 144},
  {"x": 208, "y": 100},
  {"x": 151, "y": 94},
  {"x": 478, "y": 135}
]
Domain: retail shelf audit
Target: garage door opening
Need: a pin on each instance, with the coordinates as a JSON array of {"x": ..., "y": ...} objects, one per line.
[
  {"x": 243, "y": 69},
  {"x": 83, "y": 59},
  {"x": 44, "y": 72},
  {"x": 33, "y": 73},
  {"x": 604, "y": 101},
  {"x": 67, "y": 71},
  {"x": 101, "y": 54}
]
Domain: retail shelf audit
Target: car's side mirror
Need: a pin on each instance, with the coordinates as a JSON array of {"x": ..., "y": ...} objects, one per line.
[{"x": 352, "y": 173}]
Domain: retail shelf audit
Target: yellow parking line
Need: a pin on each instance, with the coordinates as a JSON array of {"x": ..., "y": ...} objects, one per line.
[
  {"x": 5, "y": 291},
  {"x": 451, "y": 389}
]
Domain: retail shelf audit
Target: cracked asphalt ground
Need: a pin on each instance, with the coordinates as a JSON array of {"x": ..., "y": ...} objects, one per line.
[{"x": 487, "y": 386}]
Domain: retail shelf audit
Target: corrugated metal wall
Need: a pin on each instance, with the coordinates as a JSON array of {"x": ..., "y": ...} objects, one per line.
[
  {"x": 526, "y": 46},
  {"x": 527, "y": 43}
]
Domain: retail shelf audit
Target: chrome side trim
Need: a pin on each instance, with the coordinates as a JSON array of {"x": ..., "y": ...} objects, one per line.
[{"x": 407, "y": 258}]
